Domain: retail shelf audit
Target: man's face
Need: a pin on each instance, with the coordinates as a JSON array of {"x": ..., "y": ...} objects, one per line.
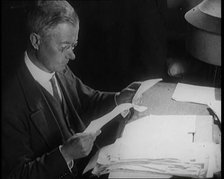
[{"x": 56, "y": 48}]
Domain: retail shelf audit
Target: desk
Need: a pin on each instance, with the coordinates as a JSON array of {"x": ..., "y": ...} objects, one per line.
[{"x": 159, "y": 101}]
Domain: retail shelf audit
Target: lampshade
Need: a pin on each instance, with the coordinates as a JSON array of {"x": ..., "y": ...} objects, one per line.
[{"x": 204, "y": 37}]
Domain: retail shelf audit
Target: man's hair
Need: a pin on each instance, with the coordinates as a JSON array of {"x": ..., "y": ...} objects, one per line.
[{"x": 46, "y": 14}]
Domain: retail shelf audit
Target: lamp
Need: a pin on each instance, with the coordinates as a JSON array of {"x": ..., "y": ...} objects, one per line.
[{"x": 204, "y": 38}]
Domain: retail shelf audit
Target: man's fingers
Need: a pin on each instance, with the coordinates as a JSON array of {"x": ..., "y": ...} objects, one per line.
[
  {"x": 91, "y": 136},
  {"x": 86, "y": 136}
]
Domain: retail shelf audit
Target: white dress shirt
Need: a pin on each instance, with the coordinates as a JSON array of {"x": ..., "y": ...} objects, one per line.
[{"x": 42, "y": 77}]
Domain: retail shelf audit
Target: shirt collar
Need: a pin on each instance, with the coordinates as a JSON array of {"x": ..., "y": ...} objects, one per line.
[{"x": 38, "y": 74}]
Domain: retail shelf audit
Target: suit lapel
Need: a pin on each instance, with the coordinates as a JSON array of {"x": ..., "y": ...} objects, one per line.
[
  {"x": 41, "y": 113},
  {"x": 65, "y": 87}
]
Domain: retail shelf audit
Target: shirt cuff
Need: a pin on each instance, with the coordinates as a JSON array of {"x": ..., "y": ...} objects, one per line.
[{"x": 70, "y": 164}]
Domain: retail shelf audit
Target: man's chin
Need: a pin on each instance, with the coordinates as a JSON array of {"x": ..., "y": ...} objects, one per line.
[{"x": 61, "y": 68}]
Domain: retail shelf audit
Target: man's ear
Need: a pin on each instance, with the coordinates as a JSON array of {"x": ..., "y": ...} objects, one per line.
[{"x": 35, "y": 40}]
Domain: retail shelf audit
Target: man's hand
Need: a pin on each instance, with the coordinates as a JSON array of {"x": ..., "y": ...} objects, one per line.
[
  {"x": 78, "y": 146},
  {"x": 126, "y": 95}
]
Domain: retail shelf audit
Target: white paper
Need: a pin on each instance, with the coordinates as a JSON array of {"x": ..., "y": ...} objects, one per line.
[
  {"x": 148, "y": 136},
  {"x": 136, "y": 174},
  {"x": 97, "y": 124},
  {"x": 199, "y": 94},
  {"x": 161, "y": 145},
  {"x": 145, "y": 85},
  {"x": 196, "y": 94},
  {"x": 137, "y": 99},
  {"x": 193, "y": 161}
]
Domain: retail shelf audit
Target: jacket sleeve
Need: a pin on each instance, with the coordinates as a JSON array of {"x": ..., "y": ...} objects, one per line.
[
  {"x": 93, "y": 103},
  {"x": 19, "y": 159}
]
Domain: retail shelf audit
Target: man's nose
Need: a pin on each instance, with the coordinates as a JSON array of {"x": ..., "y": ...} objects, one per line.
[{"x": 71, "y": 55}]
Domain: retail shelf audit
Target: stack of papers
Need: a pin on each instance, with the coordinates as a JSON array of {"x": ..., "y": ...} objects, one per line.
[
  {"x": 199, "y": 94},
  {"x": 160, "y": 145}
]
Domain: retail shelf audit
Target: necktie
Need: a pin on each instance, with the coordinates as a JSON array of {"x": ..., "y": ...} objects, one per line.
[
  {"x": 61, "y": 121},
  {"x": 55, "y": 90}
]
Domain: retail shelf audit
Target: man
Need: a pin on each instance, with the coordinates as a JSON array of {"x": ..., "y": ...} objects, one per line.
[{"x": 46, "y": 108}]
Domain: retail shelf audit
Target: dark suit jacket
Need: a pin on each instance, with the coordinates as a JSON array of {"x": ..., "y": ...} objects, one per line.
[{"x": 30, "y": 134}]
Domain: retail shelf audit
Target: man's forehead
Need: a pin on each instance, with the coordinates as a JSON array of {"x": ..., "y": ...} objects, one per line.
[
  {"x": 64, "y": 26},
  {"x": 64, "y": 33}
]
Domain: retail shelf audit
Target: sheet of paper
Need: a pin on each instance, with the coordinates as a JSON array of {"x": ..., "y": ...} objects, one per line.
[
  {"x": 196, "y": 94},
  {"x": 97, "y": 124},
  {"x": 161, "y": 127},
  {"x": 145, "y": 85}
]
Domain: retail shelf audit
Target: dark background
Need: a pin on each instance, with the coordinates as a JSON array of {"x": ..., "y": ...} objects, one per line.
[{"x": 119, "y": 41}]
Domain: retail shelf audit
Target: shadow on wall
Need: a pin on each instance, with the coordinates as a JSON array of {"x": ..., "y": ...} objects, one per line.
[
  {"x": 13, "y": 41},
  {"x": 124, "y": 41},
  {"x": 176, "y": 25}
]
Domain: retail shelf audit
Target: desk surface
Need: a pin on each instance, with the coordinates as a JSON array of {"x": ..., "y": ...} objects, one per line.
[{"x": 159, "y": 101}]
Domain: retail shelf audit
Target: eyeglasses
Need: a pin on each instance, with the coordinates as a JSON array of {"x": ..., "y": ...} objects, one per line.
[{"x": 67, "y": 47}]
